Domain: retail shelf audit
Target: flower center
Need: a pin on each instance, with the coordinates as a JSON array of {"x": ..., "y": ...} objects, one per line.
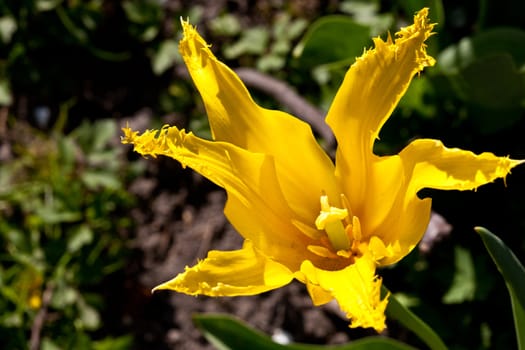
[
  {"x": 330, "y": 220},
  {"x": 343, "y": 231}
]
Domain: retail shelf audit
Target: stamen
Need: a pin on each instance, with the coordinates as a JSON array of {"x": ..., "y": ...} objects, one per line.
[
  {"x": 330, "y": 220},
  {"x": 346, "y": 205},
  {"x": 356, "y": 228}
]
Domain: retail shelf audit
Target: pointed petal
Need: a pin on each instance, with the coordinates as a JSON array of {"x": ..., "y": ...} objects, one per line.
[
  {"x": 424, "y": 163},
  {"x": 231, "y": 273},
  {"x": 319, "y": 295},
  {"x": 392, "y": 213},
  {"x": 429, "y": 164},
  {"x": 356, "y": 288},
  {"x": 256, "y": 206},
  {"x": 370, "y": 91},
  {"x": 404, "y": 228},
  {"x": 304, "y": 171}
]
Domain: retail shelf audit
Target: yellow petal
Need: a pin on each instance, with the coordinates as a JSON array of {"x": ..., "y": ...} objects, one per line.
[
  {"x": 385, "y": 192},
  {"x": 304, "y": 171},
  {"x": 430, "y": 164},
  {"x": 231, "y": 273},
  {"x": 370, "y": 91},
  {"x": 356, "y": 288},
  {"x": 256, "y": 206},
  {"x": 391, "y": 212},
  {"x": 424, "y": 163},
  {"x": 319, "y": 295}
]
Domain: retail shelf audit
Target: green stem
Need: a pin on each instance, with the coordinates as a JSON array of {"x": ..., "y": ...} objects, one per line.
[{"x": 396, "y": 310}]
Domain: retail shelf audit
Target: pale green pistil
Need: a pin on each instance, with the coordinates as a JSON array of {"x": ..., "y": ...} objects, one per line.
[{"x": 330, "y": 220}]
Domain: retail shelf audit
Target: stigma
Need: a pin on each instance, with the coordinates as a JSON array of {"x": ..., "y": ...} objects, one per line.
[{"x": 331, "y": 220}]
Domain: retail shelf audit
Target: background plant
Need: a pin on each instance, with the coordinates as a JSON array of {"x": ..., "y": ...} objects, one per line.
[{"x": 61, "y": 235}]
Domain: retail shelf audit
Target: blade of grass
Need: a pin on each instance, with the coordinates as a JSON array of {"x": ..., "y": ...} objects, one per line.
[{"x": 514, "y": 274}]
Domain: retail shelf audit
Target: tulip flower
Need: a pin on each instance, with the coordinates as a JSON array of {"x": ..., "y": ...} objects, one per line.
[{"x": 327, "y": 224}]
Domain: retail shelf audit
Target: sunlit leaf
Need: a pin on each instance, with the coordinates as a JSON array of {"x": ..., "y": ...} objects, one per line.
[
  {"x": 55, "y": 215},
  {"x": 48, "y": 344},
  {"x": 120, "y": 343},
  {"x": 103, "y": 131},
  {"x": 253, "y": 41},
  {"x": 270, "y": 62},
  {"x": 367, "y": 13},
  {"x": 89, "y": 317},
  {"x": 225, "y": 24},
  {"x": 63, "y": 296},
  {"x": 46, "y": 5},
  {"x": 94, "y": 179},
  {"x": 7, "y": 28},
  {"x": 5, "y": 93},
  {"x": 80, "y": 237},
  {"x": 165, "y": 57}
]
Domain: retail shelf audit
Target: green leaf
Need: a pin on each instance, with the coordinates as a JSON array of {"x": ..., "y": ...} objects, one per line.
[
  {"x": 397, "y": 311},
  {"x": 63, "y": 296},
  {"x": 142, "y": 12},
  {"x": 253, "y": 41},
  {"x": 225, "y": 25},
  {"x": 103, "y": 131},
  {"x": 494, "y": 82},
  {"x": 165, "y": 57},
  {"x": 487, "y": 72},
  {"x": 270, "y": 62},
  {"x": 514, "y": 274},
  {"x": 463, "y": 286},
  {"x": 88, "y": 317},
  {"x": 415, "y": 98},
  {"x": 75, "y": 30},
  {"x": 508, "y": 41},
  {"x": 94, "y": 138},
  {"x": 48, "y": 344},
  {"x": 96, "y": 180},
  {"x": 227, "y": 333},
  {"x": 120, "y": 343},
  {"x": 80, "y": 236},
  {"x": 6, "y": 97},
  {"x": 47, "y": 5},
  {"x": 55, "y": 215},
  {"x": 8, "y": 27},
  {"x": 323, "y": 43},
  {"x": 366, "y": 12}
]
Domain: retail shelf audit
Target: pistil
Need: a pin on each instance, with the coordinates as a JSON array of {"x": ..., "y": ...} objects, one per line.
[{"x": 330, "y": 220}]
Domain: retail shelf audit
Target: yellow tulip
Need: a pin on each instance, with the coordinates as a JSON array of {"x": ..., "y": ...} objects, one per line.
[{"x": 302, "y": 216}]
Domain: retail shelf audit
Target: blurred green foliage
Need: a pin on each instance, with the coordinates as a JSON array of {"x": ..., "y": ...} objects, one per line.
[
  {"x": 62, "y": 192},
  {"x": 62, "y": 200}
]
